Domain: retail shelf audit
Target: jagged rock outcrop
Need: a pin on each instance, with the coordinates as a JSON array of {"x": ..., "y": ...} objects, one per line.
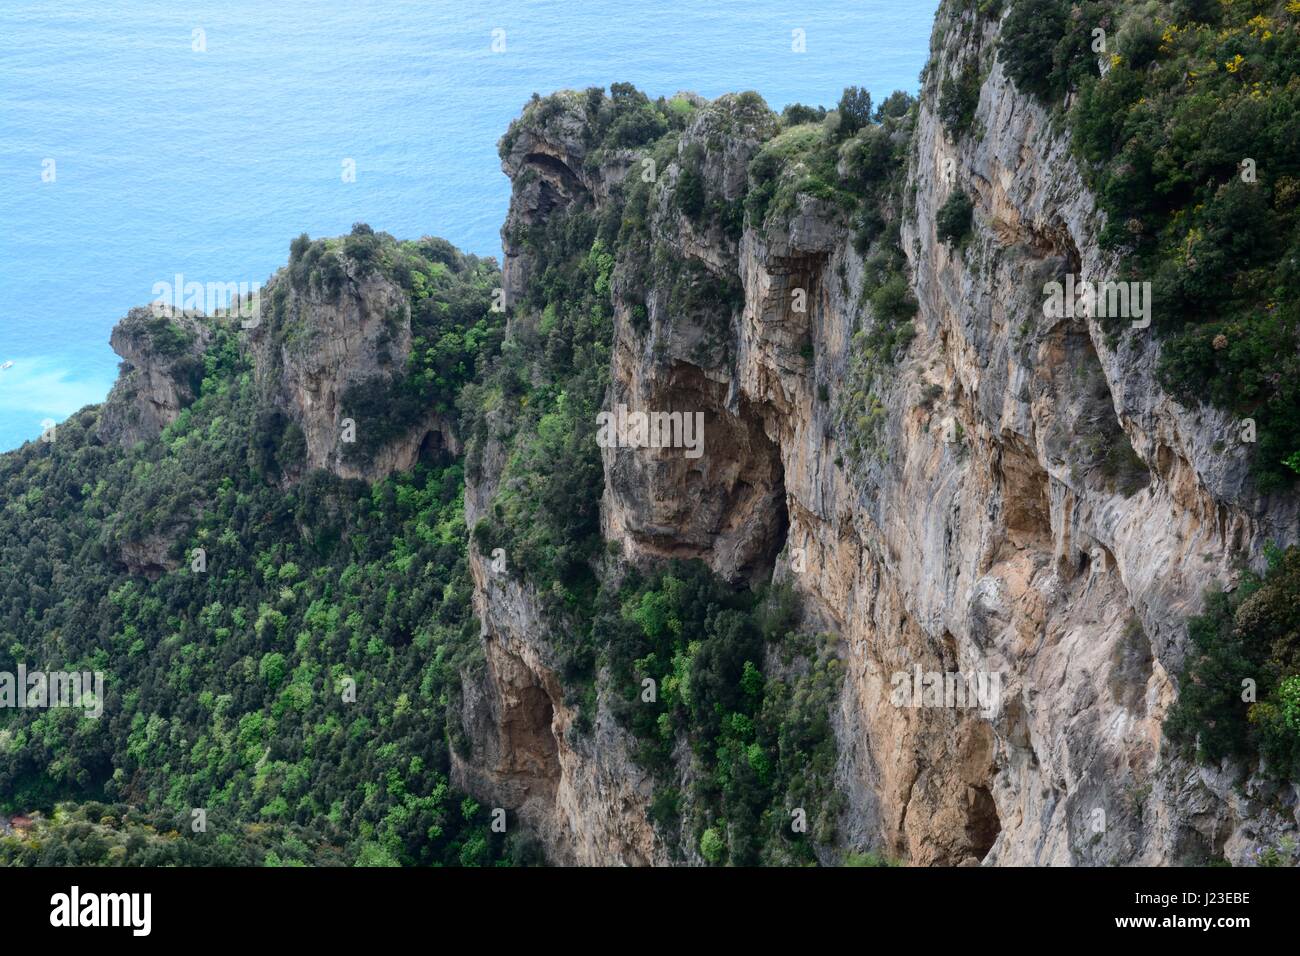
[
  {"x": 992, "y": 536},
  {"x": 582, "y": 794},
  {"x": 317, "y": 344},
  {"x": 162, "y": 363},
  {"x": 151, "y": 556},
  {"x": 728, "y": 501},
  {"x": 162, "y": 351},
  {"x": 309, "y": 347}
]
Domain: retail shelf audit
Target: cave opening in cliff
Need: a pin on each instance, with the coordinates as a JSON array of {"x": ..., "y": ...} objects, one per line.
[
  {"x": 723, "y": 503},
  {"x": 557, "y": 183},
  {"x": 772, "y": 525},
  {"x": 982, "y": 822},
  {"x": 528, "y": 746},
  {"x": 433, "y": 449}
]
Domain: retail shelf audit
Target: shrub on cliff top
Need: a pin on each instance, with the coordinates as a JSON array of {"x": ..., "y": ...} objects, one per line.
[
  {"x": 797, "y": 114},
  {"x": 1046, "y": 45},
  {"x": 854, "y": 110}
]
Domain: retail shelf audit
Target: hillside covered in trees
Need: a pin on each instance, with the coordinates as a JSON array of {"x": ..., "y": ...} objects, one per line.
[{"x": 295, "y": 689}]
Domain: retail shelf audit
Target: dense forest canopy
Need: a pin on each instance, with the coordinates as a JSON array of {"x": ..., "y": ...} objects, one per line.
[{"x": 228, "y": 689}]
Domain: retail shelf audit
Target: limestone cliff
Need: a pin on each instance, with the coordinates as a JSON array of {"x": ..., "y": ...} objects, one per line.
[
  {"x": 161, "y": 350},
  {"x": 990, "y": 531},
  {"x": 332, "y": 326},
  {"x": 319, "y": 342}
]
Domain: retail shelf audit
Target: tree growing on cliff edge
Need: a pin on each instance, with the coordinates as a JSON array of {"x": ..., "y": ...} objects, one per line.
[{"x": 854, "y": 110}]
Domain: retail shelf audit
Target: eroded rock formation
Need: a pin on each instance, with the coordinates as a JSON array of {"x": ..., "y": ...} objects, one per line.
[
  {"x": 162, "y": 363},
  {"x": 992, "y": 535}
]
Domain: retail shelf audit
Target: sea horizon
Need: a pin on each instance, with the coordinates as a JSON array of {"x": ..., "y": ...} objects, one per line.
[{"x": 199, "y": 140}]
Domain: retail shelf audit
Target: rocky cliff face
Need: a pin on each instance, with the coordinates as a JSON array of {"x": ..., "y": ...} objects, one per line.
[
  {"x": 1075, "y": 589},
  {"x": 993, "y": 534},
  {"x": 582, "y": 794},
  {"x": 317, "y": 344},
  {"x": 309, "y": 345},
  {"x": 161, "y": 350},
  {"x": 162, "y": 366}
]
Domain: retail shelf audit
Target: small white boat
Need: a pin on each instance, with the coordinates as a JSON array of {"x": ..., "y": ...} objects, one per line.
[{"x": 6, "y": 365}]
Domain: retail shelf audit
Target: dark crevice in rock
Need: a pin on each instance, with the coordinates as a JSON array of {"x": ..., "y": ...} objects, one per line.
[
  {"x": 1025, "y": 503},
  {"x": 982, "y": 822},
  {"x": 556, "y": 167}
]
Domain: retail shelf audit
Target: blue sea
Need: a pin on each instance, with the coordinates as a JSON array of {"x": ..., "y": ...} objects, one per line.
[{"x": 147, "y": 138}]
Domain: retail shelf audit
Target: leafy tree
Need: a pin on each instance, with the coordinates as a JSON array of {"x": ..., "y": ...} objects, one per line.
[
  {"x": 711, "y": 845},
  {"x": 1243, "y": 640},
  {"x": 854, "y": 110},
  {"x": 954, "y": 218},
  {"x": 958, "y": 98}
]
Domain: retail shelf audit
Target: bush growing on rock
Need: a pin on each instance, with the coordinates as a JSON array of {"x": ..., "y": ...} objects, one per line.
[
  {"x": 1249, "y": 635},
  {"x": 1189, "y": 141},
  {"x": 954, "y": 218}
]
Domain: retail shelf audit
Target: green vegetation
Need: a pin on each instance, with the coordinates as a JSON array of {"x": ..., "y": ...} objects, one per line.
[
  {"x": 304, "y": 688},
  {"x": 1240, "y": 690},
  {"x": 740, "y": 691},
  {"x": 1190, "y": 142},
  {"x": 854, "y": 111},
  {"x": 166, "y": 338},
  {"x": 860, "y": 410},
  {"x": 1046, "y": 44},
  {"x": 954, "y": 219},
  {"x": 229, "y": 689},
  {"x": 958, "y": 97},
  {"x": 704, "y": 209},
  {"x": 454, "y": 331},
  {"x": 797, "y": 114},
  {"x": 876, "y": 162},
  {"x": 760, "y": 737},
  {"x": 541, "y": 397},
  {"x": 849, "y": 163},
  {"x": 98, "y": 834},
  {"x": 858, "y": 164},
  {"x": 764, "y": 747},
  {"x": 768, "y": 193},
  {"x": 871, "y": 859}
]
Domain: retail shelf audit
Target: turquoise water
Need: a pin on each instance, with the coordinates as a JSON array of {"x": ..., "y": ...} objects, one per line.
[{"x": 206, "y": 163}]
